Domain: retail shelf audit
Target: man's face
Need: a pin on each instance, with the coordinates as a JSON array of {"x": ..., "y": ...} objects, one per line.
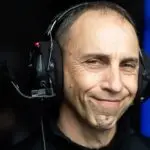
[{"x": 101, "y": 62}]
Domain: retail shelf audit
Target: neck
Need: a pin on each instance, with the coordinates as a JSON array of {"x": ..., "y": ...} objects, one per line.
[{"x": 80, "y": 132}]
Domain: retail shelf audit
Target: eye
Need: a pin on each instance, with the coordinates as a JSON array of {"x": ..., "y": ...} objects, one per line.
[
  {"x": 128, "y": 66},
  {"x": 94, "y": 63}
]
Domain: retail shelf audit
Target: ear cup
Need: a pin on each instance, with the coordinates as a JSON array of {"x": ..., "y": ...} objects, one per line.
[
  {"x": 57, "y": 61},
  {"x": 52, "y": 60},
  {"x": 144, "y": 78},
  {"x": 140, "y": 83}
]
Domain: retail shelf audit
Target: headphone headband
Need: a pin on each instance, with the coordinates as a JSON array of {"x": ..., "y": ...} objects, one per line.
[{"x": 62, "y": 15}]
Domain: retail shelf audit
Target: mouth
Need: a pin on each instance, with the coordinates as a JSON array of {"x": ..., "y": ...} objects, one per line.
[
  {"x": 108, "y": 102},
  {"x": 108, "y": 99}
]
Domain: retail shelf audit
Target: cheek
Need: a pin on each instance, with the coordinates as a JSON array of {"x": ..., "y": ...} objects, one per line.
[
  {"x": 78, "y": 77},
  {"x": 131, "y": 83},
  {"x": 77, "y": 81}
]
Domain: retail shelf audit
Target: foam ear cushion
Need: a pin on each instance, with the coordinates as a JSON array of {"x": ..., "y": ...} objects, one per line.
[
  {"x": 140, "y": 83},
  {"x": 57, "y": 59},
  {"x": 55, "y": 64}
]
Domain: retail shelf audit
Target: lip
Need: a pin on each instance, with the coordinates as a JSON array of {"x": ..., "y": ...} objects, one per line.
[{"x": 108, "y": 102}]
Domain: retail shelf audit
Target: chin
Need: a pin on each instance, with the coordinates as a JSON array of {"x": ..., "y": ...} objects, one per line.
[{"x": 104, "y": 122}]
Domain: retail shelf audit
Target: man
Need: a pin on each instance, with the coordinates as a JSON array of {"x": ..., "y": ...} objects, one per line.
[{"x": 101, "y": 65}]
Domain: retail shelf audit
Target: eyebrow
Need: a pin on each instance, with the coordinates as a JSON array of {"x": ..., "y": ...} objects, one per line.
[
  {"x": 107, "y": 57},
  {"x": 96, "y": 55},
  {"x": 130, "y": 59}
]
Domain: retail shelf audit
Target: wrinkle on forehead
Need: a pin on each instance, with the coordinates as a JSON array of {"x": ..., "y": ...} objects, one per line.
[{"x": 92, "y": 24}]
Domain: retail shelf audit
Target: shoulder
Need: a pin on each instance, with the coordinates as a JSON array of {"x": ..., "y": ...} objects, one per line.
[{"x": 138, "y": 142}]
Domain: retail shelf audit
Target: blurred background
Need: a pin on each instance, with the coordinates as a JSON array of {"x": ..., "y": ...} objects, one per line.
[{"x": 25, "y": 21}]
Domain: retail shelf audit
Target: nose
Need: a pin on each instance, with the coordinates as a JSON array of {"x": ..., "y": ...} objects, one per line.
[{"x": 113, "y": 81}]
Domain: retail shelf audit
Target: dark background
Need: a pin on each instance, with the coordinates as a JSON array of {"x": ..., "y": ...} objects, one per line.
[{"x": 22, "y": 21}]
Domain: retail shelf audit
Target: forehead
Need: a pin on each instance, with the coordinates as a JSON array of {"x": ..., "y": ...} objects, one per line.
[{"x": 94, "y": 32}]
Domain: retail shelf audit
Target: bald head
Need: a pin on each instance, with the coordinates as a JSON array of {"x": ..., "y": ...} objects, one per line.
[
  {"x": 103, "y": 9},
  {"x": 93, "y": 24}
]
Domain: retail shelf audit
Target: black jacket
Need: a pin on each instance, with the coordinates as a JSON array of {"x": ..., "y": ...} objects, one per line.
[{"x": 125, "y": 139}]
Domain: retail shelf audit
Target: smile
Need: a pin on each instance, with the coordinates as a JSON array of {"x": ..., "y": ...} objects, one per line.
[{"x": 108, "y": 102}]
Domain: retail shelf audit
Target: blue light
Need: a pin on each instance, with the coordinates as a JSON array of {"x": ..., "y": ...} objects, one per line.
[{"x": 145, "y": 108}]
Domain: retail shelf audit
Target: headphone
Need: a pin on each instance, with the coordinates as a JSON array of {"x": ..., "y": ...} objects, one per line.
[{"x": 46, "y": 68}]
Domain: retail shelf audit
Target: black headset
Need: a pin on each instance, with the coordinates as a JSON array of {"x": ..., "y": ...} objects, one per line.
[{"x": 46, "y": 69}]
